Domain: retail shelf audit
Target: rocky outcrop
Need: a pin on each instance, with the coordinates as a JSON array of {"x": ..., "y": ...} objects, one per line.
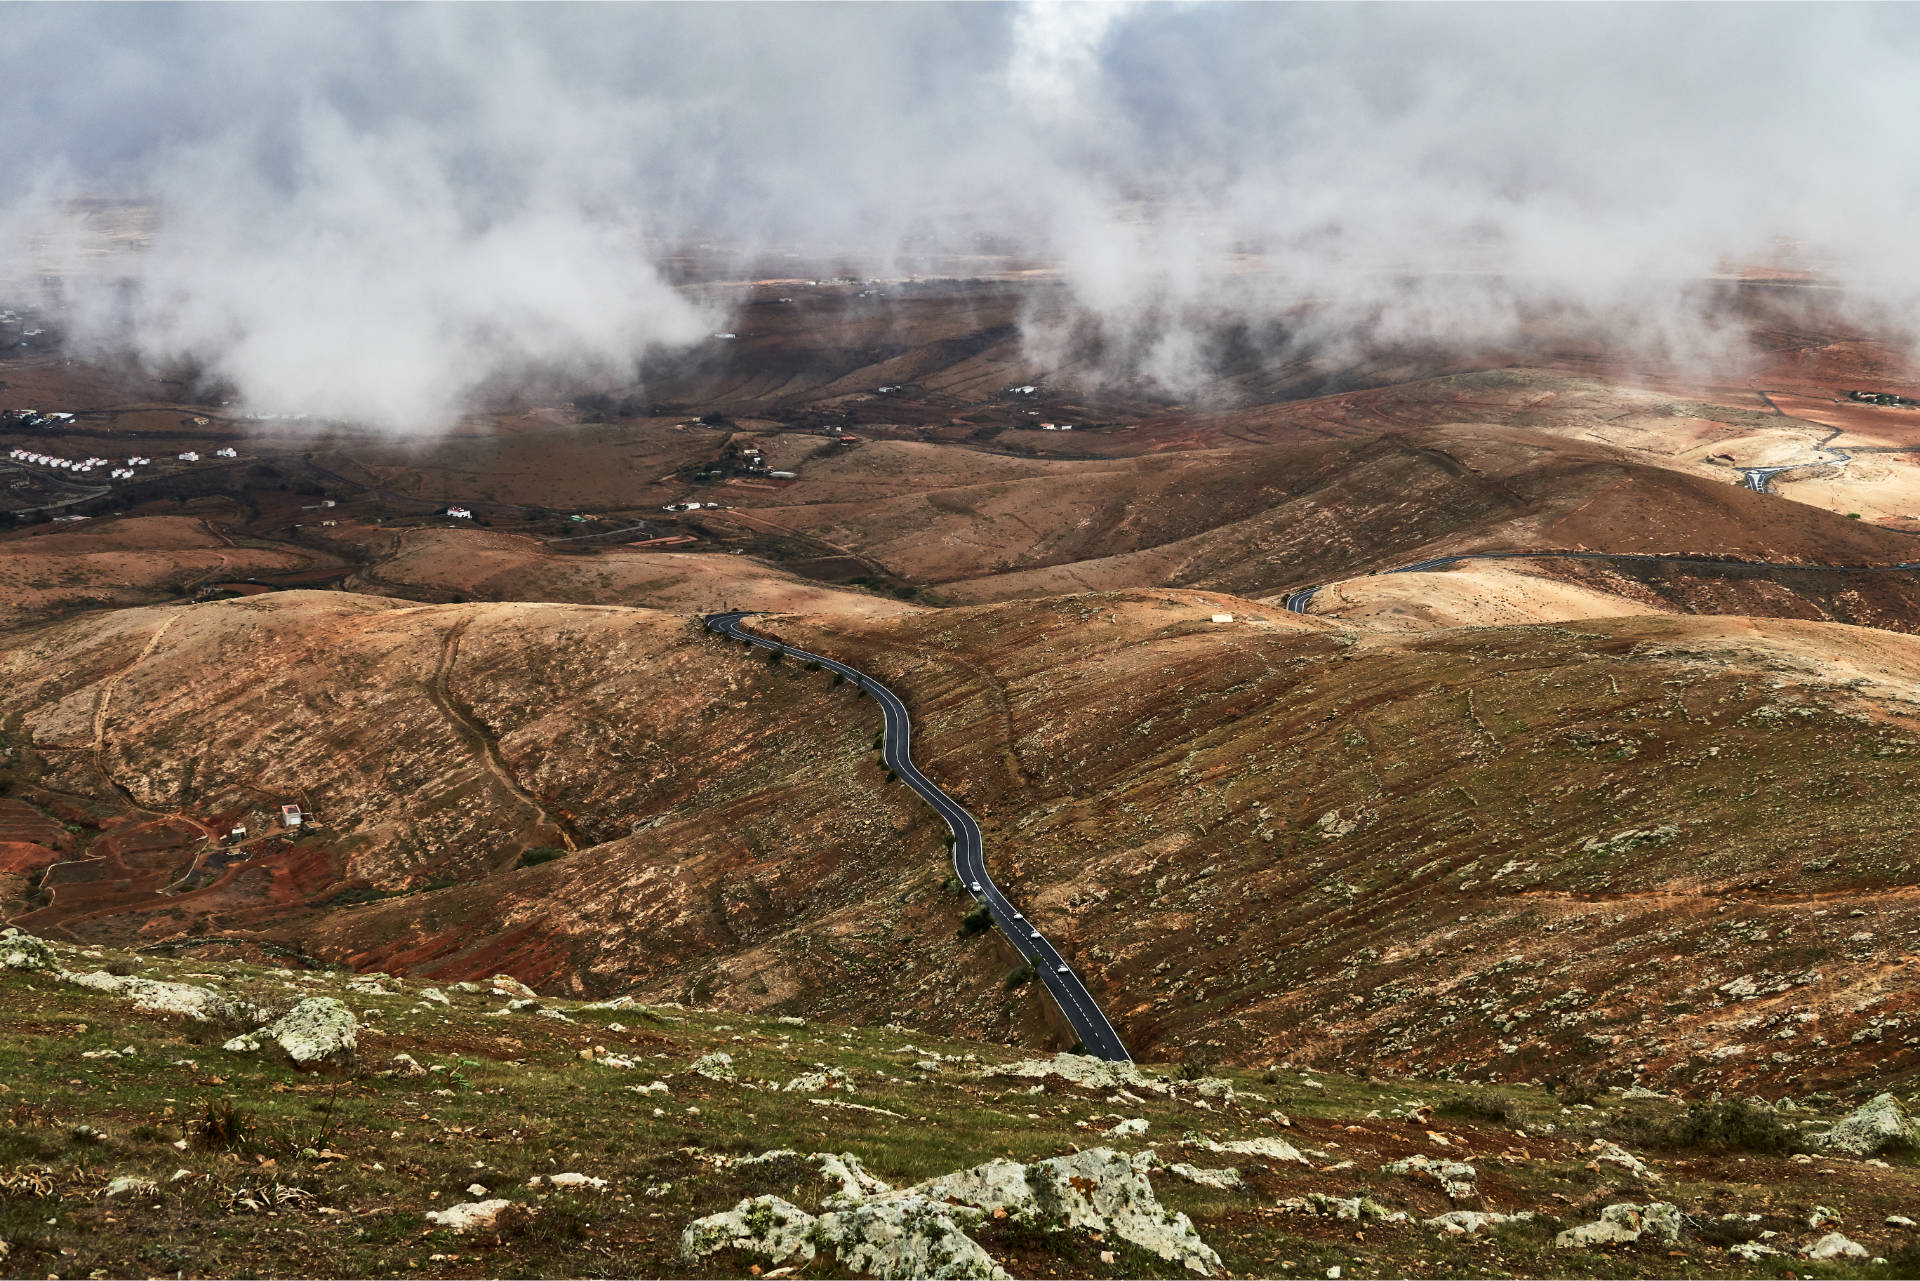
[
  {"x": 1456, "y": 1178},
  {"x": 1225, "y": 1178},
  {"x": 203, "y": 1005},
  {"x": 319, "y": 1032},
  {"x": 1606, "y": 1152},
  {"x": 1876, "y": 1126},
  {"x": 898, "y": 1237},
  {"x": 905, "y": 1236},
  {"x": 1623, "y": 1224},
  {"x": 1468, "y": 1222},
  {"x": 468, "y": 1216},
  {"x": 850, "y": 1180},
  {"x": 920, "y": 1231},
  {"x": 717, "y": 1066},
  {"x": 1098, "y": 1190},
  {"x": 1351, "y": 1209},
  {"x": 1082, "y": 1069},
  {"x": 22, "y": 951},
  {"x": 1272, "y": 1149}
]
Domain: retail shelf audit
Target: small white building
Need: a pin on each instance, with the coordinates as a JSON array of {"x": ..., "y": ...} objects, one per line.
[
  {"x": 189, "y": 457},
  {"x": 226, "y": 453},
  {"x": 459, "y": 513},
  {"x": 1223, "y": 618},
  {"x": 290, "y": 816}
]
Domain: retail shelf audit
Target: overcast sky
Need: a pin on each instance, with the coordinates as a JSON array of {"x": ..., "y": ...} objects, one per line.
[{"x": 368, "y": 211}]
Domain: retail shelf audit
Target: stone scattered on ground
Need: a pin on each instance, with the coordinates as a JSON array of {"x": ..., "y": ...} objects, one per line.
[
  {"x": 468, "y": 1216},
  {"x": 1835, "y": 1246},
  {"x": 131, "y": 1185},
  {"x": 717, "y": 1066},
  {"x": 1752, "y": 1251},
  {"x": 1468, "y": 1222},
  {"x": 1456, "y": 1178},
  {"x": 1353, "y": 1209},
  {"x": 1879, "y": 1124},
  {"x": 1607, "y": 1152},
  {"x": 1624, "y": 1223},
  {"x": 1225, "y": 1178},
  {"x": 1272, "y": 1149}
]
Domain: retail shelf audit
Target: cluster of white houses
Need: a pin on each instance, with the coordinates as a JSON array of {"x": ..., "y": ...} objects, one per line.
[
  {"x": 92, "y": 463},
  {"x": 54, "y": 461}
]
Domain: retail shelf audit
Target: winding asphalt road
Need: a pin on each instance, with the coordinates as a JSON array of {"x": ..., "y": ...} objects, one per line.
[
  {"x": 1299, "y": 599},
  {"x": 1760, "y": 479},
  {"x": 1096, "y": 1034}
]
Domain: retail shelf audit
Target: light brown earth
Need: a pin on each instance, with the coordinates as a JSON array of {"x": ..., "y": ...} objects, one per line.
[
  {"x": 58, "y": 569},
  {"x": 1471, "y": 595},
  {"x": 482, "y": 565}
]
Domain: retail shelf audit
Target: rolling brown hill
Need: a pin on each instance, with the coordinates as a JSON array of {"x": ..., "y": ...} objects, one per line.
[{"x": 1276, "y": 838}]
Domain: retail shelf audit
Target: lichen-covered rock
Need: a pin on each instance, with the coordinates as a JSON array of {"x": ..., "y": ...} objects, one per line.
[
  {"x": 1082, "y": 1069},
  {"x": 1456, "y": 1178},
  {"x": 1273, "y": 1149},
  {"x": 1468, "y": 1222},
  {"x": 1226, "y": 1178},
  {"x": 468, "y": 1216},
  {"x": 902, "y": 1237},
  {"x": 319, "y": 1032},
  {"x": 767, "y": 1226},
  {"x": 201, "y": 1004},
  {"x": 1098, "y": 1190},
  {"x": 1624, "y": 1223},
  {"x": 22, "y": 951},
  {"x": 849, "y": 1179},
  {"x": 1875, "y": 1126},
  {"x": 1834, "y": 1245},
  {"x": 507, "y": 985},
  {"x": 1607, "y": 1152},
  {"x": 1128, "y": 1127},
  {"x": 1752, "y": 1251},
  {"x": 1352, "y": 1209},
  {"x": 717, "y": 1066},
  {"x": 896, "y": 1237}
]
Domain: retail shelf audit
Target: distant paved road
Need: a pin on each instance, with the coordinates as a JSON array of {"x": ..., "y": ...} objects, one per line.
[
  {"x": 1301, "y": 598},
  {"x": 969, "y": 860}
]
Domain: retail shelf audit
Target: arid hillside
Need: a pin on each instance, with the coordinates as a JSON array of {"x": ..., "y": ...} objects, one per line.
[
  {"x": 1271, "y": 838},
  {"x": 60, "y": 569},
  {"x": 591, "y": 798},
  {"x": 1277, "y": 838}
]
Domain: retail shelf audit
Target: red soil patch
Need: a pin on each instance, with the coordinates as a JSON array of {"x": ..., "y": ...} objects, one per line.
[{"x": 25, "y": 856}]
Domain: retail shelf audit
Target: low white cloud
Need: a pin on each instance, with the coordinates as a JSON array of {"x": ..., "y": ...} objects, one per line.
[{"x": 382, "y": 213}]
